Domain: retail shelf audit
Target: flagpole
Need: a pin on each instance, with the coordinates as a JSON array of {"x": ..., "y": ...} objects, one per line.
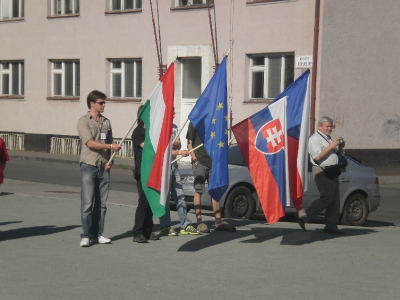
[
  {"x": 112, "y": 156},
  {"x": 180, "y": 130},
  {"x": 179, "y": 158}
]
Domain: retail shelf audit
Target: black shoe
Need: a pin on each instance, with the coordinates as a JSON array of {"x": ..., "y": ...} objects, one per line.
[
  {"x": 154, "y": 237},
  {"x": 140, "y": 239},
  {"x": 337, "y": 231},
  {"x": 300, "y": 221}
]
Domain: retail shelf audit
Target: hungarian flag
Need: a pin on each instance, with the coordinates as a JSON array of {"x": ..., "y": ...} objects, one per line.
[{"x": 157, "y": 115}]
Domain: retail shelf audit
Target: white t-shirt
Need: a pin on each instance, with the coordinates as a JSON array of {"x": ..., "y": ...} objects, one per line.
[{"x": 317, "y": 142}]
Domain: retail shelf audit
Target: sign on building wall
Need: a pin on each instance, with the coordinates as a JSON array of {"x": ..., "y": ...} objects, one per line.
[{"x": 303, "y": 61}]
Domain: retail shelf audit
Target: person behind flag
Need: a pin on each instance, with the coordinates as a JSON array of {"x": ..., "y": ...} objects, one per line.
[
  {"x": 202, "y": 164},
  {"x": 97, "y": 146},
  {"x": 143, "y": 227},
  {"x": 324, "y": 152},
  {"x": 3, "y": 159},
  {"x": 177, "y": 194}
]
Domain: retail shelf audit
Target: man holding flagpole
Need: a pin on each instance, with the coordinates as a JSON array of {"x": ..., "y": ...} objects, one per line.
[
  {"x": 202, "y": 164},
  {"x": 209, "y": 126}
]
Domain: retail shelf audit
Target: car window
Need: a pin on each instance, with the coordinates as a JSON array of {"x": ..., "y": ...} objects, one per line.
[{"x": 235, "y": 156}]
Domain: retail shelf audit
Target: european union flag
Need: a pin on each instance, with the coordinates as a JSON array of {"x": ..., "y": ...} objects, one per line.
[{"x": 210, "y": 118}]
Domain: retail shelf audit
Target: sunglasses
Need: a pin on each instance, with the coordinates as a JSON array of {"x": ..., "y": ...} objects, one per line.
[{"x": 101, "y": 103}]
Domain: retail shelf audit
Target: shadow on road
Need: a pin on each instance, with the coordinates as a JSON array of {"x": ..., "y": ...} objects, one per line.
[
  {"x": 291, "y": 237},
  {"x": 26, "y": 232},
  {"x": 12, "y": 222},
  {"x": 5, "y": 194}
]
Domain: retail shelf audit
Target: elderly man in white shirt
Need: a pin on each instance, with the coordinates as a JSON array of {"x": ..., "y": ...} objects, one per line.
[{"x": 324, "y": 152}]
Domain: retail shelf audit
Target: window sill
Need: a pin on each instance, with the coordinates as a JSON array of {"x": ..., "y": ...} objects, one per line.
[
  {"x": 179, "y": 8},
  {"x": 249, "y": 2},
  {"x": 258, "y": 101},
  {"x": 12, "y": 97},
  {"x": 12, "y": 20},
  {"x": 67, "y": 98},
  {"x": 123, "y": 100},
  {"x": 120, "y": 12},
  {"x": 63, "y": 16}
]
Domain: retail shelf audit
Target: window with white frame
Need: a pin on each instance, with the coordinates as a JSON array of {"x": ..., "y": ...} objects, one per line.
[
  {"x": 188, "y": 3},
  {"x": 270, "y": 74},
  {"x": 64, "y": 7},
  {"x": 126, "y": 78},
  {"x": 120, "y": 5},
  {"x": 11, "y": 9},
  {"x": 12, "y": 78},
  {"x": 65, "y": 78}
]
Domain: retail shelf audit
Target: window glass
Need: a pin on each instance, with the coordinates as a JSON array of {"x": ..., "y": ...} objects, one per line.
[
  {"x": 274, "y": 77},
  {"x": 5, "y": 9},
  {"x": 257, "y": 85},
  {"x": 258, "y": 60},
  {"x": 270, "y": 74},
  {"x": 128, "y": 4},
  {"x": 77, "y": 79},
  {"x": 289, "y": 70},
  {"x": 138, "y": 79},
  {"x": 191, "y": 78},
  {"x": 11, "y": 78},
  {"x": 117, "y": 79},
  {"x": 16, "y": 8},
  {"x": 116, "y": 5},
  {"x": 69, "y": 79},
  {"x": 15, "y": 78},
  {"x": 235, "y": 156},
  {"x": 5, "y": 84},
  {"x": 66, "y": 78},
  {"x": 129, "y": 79},
  {"x": 57, "y": 84}
]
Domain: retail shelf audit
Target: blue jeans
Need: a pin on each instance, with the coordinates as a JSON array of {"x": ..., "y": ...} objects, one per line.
[
  {"x": 94, "y": 192},
  {"x": 179, "y": 198}
]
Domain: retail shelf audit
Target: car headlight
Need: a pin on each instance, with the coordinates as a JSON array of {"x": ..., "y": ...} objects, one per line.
[{"x": 187, "y": 180}]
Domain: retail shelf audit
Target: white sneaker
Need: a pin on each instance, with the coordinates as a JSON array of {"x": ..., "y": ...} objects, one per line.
[
  {"x": 103, "y": 240},
  {"x": 85, "y": 242}
]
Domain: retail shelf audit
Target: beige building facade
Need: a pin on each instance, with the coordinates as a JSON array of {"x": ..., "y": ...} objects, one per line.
[{"x": 54, "y": 52}]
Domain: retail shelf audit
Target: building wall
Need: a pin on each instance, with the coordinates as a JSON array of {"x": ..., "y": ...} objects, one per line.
[
  {"x": 358, "y": 71},
  {"x": 94, "y": 36}
]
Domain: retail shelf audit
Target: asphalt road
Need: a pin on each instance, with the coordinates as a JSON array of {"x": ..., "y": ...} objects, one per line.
[{"x": 387, "y": 213}]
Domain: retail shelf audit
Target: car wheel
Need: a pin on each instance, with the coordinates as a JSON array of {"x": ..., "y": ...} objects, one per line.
[
  {"x": 355, "y": 211},
  {"x": 240, "y": 204}
]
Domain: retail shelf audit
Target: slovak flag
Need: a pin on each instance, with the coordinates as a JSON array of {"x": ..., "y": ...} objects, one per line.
[
  {"x": 298, "y": 131},
  {"x": 262, "y": 141},
  {"x": 296, "y": 147}
]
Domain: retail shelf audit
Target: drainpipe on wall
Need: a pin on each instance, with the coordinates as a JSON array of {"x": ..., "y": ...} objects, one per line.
[{"x": 314, "y": 67}]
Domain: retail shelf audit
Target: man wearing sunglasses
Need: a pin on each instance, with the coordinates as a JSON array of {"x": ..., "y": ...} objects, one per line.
[{"x": 97, "y": 146}]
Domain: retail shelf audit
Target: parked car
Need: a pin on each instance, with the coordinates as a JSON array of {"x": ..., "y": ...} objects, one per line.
[{"x": 359, "y": 191}]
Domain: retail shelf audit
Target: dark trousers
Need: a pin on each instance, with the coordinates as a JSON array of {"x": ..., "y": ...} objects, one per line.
[
  {"x": 144, "y": 215},
  {"x": 329, "y": 199}
]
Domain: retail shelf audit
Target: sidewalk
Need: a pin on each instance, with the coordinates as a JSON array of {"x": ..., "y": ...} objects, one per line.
[
  {"x": 121, "y": 163},
  {"x": 387, "y": 175}
]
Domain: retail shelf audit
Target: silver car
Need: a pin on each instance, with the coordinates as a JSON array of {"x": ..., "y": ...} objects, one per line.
[{"x": 359, "y": 191}]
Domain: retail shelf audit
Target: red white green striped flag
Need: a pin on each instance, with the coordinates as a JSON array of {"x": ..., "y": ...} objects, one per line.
[{"x": 157, "y": 115}]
